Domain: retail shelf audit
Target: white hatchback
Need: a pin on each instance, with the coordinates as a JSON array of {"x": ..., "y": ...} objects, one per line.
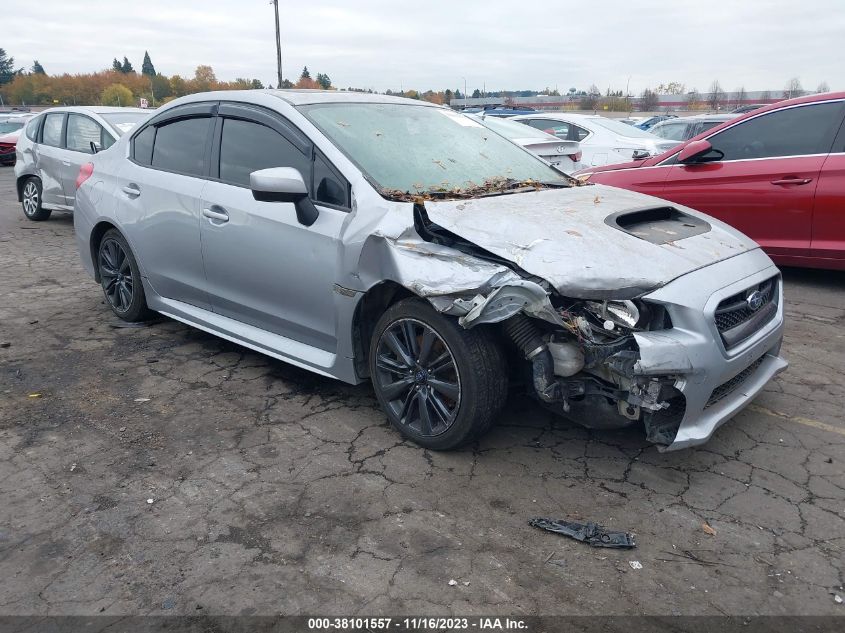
[{"x": 55, "y": 144}]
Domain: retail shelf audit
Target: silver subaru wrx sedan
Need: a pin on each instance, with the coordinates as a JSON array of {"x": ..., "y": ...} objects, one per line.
[{"x": 366, "y": 237}]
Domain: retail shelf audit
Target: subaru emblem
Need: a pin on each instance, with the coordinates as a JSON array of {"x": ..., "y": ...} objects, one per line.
[{"x": 754, "y": 300}]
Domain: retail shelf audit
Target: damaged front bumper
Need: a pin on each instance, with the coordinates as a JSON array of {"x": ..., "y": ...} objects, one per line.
[
  {"x": 682, "y": 382},
  {"x": 715, "y": 381}
]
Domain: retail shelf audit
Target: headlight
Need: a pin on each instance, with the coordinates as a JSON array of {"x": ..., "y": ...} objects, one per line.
[{"x": 624, "y": 313}]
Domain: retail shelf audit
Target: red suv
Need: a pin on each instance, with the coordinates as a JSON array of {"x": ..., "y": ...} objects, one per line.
[{"x": 777, "y": 174}]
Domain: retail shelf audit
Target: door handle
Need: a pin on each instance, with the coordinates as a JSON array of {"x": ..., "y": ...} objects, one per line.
[
  {"x": 792, "y": 181},
  {"x": 132, "y": 190},
  {"x": 216, "y": 213},
  {"x": 66, "y": 163}
]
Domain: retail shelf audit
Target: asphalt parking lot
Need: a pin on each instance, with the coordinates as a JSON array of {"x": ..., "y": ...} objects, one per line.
[{"x": 160, "y": 470}]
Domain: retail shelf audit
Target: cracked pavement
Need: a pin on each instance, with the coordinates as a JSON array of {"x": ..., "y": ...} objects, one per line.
[{"x": 278, "y": 491}]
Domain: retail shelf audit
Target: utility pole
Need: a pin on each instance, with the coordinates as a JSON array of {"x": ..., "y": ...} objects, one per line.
[{"x": 278, "y": 45}]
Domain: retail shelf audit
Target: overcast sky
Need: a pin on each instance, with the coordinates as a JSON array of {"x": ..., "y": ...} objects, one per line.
[{"x": 380, "y": 44}]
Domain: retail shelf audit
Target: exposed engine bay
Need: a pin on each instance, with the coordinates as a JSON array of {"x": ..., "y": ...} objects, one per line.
[{"x": 581, "y": 356}]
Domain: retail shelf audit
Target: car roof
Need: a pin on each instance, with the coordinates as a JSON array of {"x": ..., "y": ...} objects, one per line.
[
  {"x": 99, "y": 109},
  {"x": 701, "y": 117},
  {"x": 308, "y": 97},
  {"x": 554, "y": 114}
]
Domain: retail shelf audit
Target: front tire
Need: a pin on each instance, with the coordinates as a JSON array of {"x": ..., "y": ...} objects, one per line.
[
  {"x": 120, "y": 278},
  {"x": 31, "y": 201},
  {"x": 439, "y": 384}
]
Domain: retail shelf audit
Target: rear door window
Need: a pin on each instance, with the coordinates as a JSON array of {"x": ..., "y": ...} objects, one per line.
[
  {"x": 52, "y": 133},
  {"x": 796, "y": 131},
  {"x": 81, "y": 132},
  {"x": 180, "y": 146}
]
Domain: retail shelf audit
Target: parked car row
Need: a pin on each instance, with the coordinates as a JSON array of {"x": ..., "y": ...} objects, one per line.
[
  {"x": 776, "y": 173},
  {"x": 602, "y": 140},
  {"x": 367, "y": 237}
]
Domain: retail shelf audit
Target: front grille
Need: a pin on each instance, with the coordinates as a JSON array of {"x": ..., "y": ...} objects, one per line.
[
  {"x": 727, "y": 387},
  {"x": 735, "y": 318}
]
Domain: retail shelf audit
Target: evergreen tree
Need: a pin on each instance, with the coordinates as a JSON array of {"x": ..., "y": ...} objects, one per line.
[
  {"x": 7, "y": 68},
  {"x": 117, "y": 66},
  {"x": 37, "y": 68},
  {"x": 324, "y": 81},
  {"x": 126, "y": 67},
  {"x": 147, "y": 67},
  {"x": 305, "y": 74}
]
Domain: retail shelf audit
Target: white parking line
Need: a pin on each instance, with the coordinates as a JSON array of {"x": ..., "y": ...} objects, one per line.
[{"x": 800, "y": 420}]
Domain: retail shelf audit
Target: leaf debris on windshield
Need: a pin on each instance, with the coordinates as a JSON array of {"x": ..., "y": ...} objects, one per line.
[{"x": 491, "y": 187}]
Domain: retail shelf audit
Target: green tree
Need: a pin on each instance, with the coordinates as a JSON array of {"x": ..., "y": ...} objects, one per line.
[
  {"x": 147, "y": 67},
  {"x": 305, "y": 74},
  {"x": 117, "y": 95},
  {"x": 37, "y": 68},
  {"x": 447, "y": 96},
  {"x": 257, "y": 85},
  {"x": 116, "y": 65},
  {"x": 324, "y": 81},
  {"x": 161, "y": 87},
  {"x": 7, "y": 68},
  {"x": 126, "y": 67},
  {"x": 286, "y": 84}
]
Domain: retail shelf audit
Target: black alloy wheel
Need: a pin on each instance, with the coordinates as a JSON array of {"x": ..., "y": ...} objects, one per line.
[{"x": 417, "y": 377}]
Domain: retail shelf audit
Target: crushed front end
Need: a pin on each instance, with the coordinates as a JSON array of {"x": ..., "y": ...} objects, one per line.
[{"x": 680, "y": 360}]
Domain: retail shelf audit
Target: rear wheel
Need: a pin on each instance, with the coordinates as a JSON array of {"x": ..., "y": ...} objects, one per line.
[
  {"x": 439, "y": 384},
  {"x": 31, "y": 201},
  {"x": 120, "y": 278}
]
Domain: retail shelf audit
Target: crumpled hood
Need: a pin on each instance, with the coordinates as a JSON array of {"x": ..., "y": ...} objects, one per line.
[{"x": 561, "y": 236}]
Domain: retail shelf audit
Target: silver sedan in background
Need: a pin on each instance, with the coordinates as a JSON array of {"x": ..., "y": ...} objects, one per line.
[{"x": 55, "y": 144}]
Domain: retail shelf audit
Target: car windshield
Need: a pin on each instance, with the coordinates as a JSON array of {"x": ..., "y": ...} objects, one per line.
[
  {"x": 512, "y": 129},
  {"x": 621, "y": 129},
  {"x": 424, "y": 150},
  {"x": 10, "y": 126},
  {"x": 123, "y": 122}
]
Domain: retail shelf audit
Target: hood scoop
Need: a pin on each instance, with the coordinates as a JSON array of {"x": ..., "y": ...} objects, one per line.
[{"x": 658, "y": 225}]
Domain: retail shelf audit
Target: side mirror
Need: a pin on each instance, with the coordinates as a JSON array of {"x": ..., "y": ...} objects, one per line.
[
  {"x": 95, "y": 147},
  {"x": 640, "y": 154},
  {"x": 284, "y": 184},
  {"x": 699, "y": 152}
]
